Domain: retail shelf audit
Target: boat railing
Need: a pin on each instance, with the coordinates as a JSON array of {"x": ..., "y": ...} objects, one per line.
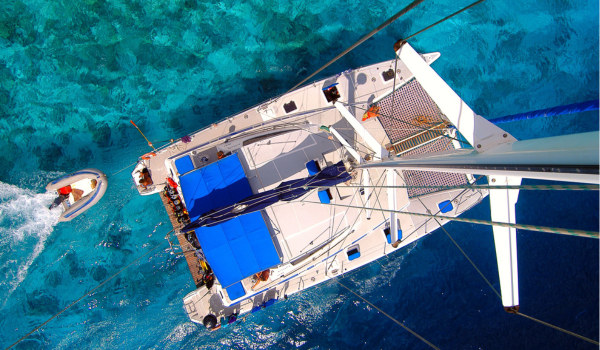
[
  {"x": 253, "y": 127},
  {"x": 269, "y": 101}
]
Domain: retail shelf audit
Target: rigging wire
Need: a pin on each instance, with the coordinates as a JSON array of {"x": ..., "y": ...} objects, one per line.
[
  {"x": 498, "y": 294},
  {"x": 442, "y": 20},
  {"x": 363, "y": 39},
  {"x": 85, "y": 295},
  {"x": 388, "y": 316},
  {"x": 569, "y": 232},
  {"x": 558, "y": 328}
]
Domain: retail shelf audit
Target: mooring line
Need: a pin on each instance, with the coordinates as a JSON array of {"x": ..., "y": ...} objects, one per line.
[{"x": 111, "y": 175}]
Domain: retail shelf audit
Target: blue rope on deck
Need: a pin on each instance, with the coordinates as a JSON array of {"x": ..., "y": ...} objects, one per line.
[{"x": 549, "y": 112}]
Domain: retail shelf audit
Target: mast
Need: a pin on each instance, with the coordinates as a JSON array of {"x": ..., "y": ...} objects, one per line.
[{"x": 572, "y": 158}]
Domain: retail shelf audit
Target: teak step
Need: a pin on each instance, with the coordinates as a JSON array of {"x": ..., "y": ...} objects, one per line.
[
  {"x": 186, "y": 247},
  {"x": 414, "y": 141}
]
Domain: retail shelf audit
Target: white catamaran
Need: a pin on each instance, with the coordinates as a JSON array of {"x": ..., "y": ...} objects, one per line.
[{"x": 336, "y": 174}]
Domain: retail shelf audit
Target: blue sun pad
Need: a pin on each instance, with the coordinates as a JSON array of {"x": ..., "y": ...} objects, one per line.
[
  {"x": 218, "y": 184},
  {"x": 235, "y": 291},
  {"x": 323, "y": 197},
  {"x": 184, "y": 165},
  {"x": 311, "y": 166},
  {"x": 237, "y": 248}
]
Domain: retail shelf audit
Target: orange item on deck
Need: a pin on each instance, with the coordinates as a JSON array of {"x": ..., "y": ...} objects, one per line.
[
  {"x": 65, "y": 190},
  {"x": 373, "y": 112},
  {"x": 171, "y": 182}
]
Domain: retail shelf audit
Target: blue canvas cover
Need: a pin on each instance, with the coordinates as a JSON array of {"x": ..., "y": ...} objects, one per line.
[
  {"x": 237, "y": 248},
  {"x": 184, "y": 165},
  {"x": 236, "y": 291},
  {"x": 219, "y": 184}
]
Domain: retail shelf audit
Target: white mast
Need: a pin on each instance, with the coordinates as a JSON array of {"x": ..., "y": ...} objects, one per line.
[{"x": 571, "y": 158}]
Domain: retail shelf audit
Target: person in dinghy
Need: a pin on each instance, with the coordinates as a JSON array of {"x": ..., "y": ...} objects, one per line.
[{"x": 77, "y": 192}]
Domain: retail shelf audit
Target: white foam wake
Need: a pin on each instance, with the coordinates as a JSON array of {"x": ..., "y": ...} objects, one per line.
[{"x": 25, "y": 224}]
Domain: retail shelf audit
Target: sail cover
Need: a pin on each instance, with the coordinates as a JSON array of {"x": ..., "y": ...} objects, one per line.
[
  {"x": 286, "y": 191},
  {"x": 240, "y": 247}
]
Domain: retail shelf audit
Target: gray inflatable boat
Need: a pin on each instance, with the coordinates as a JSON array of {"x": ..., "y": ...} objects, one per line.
[{"x": 78, "y": 192}]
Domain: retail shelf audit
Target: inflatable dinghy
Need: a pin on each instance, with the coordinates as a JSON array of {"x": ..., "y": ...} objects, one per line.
[{"x": 78, "y": 192}]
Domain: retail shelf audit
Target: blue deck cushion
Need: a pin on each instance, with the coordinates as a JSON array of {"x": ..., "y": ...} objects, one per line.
[
  {"x": 445, "y": 206},
  {"x": 184, "y": 165},
  {"x": 324, "y": 197},
  {"x": 237, "y": 248},
  {"x": 236, "y": 291},
  {"x": 312, "y": 167}
]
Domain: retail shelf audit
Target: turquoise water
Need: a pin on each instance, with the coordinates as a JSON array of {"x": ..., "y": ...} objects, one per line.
[{"x": 72, "y": 75}]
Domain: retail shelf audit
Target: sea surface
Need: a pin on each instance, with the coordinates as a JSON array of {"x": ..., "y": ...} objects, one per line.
[{"x": 73, "y": 73}]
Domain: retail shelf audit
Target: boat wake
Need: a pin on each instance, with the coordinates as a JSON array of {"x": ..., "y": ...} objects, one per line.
[{"x": 25, "y": 224}]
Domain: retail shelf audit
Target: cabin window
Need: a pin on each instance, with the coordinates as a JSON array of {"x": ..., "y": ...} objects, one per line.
[
  {"x": 353, "y": 252},
  {"x": 388, "y": 75},
  {"x": 290, "y": 107},
  {"x": 445, "y": 206}
]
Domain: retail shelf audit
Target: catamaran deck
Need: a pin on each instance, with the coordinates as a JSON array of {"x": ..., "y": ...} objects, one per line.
[{"x": 311, "y": 241}]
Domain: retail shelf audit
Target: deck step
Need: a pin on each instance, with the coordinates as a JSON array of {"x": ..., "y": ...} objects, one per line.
[
  {"x": 417, "y": 140},
  {"x": 186, "y": 247}
]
